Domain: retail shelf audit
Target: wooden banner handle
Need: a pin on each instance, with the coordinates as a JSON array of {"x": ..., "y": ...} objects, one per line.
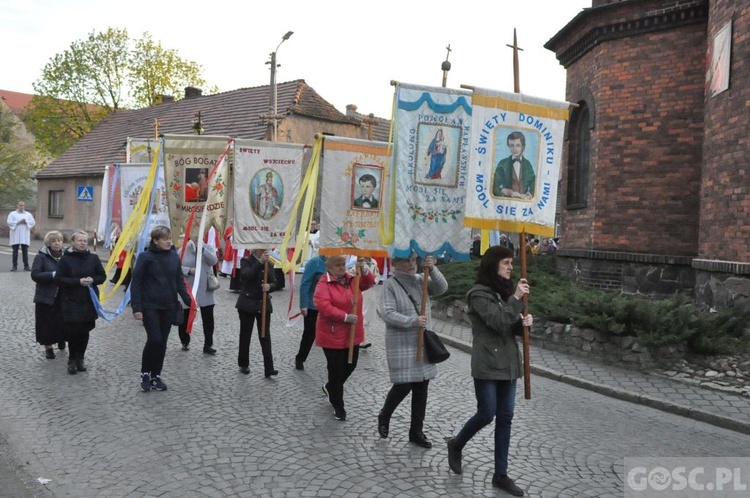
[
  {"x": 355, "y": 301},
  {"x": 265, "y": 302},
  {"x": 422, "y": 312},
  {"x": 526, "y": 331}
]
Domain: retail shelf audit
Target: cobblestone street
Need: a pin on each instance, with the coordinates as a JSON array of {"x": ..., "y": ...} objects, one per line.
[{"x": 219, "y": 433}]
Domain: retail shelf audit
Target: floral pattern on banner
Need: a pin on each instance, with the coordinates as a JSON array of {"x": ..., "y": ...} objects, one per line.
[{"x": 188, "y": 164}]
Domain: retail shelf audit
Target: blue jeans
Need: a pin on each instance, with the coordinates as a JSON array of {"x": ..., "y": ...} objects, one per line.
[{"x": 495, "y": 399}]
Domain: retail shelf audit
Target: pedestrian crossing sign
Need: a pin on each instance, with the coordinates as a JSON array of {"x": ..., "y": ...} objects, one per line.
[{"x": 85, "y": 193}]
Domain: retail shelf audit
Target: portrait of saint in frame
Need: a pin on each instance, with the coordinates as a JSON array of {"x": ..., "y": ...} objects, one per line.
[
  {"x": 367, "y": 180},
  {"x": 437, "y": 154},
  {"x": 266, "y": 193},
  {"x": 516, "y": 158}
]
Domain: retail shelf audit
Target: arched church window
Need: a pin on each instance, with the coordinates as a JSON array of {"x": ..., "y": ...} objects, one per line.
[{"x": 579, "y": 158}]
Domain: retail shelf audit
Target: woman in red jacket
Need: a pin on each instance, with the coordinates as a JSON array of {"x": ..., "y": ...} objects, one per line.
[{"x": 334, "y": 297}]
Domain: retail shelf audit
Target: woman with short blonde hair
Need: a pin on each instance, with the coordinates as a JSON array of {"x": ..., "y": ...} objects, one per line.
[
  {"x": 333, "y": 297},
  {"x": 78, "y": 270},
  {"x": 47, "y": 310}
]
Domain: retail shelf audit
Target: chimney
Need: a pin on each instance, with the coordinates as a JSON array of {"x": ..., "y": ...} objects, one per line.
[
  {"x": 192, "y": 92},
  {"x": 163, "y": 99},
  {"x": 351, "y": 110}
]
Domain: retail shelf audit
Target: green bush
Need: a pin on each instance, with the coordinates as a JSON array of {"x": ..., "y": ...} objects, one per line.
[{"x": 654, "y": 323}]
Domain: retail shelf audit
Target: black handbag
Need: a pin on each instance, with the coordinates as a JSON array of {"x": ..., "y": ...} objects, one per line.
[
  {"x": 436, "y": 351},
  {"x": 179, "y": 316},
  {"x": 434, "y": 347}
]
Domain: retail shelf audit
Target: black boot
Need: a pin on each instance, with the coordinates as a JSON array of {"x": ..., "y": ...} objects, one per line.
[
  {"x": 72, "y": 365},
  {"x": 383, "y": 425},
  {"x": 419, "y": 439},
  {"x": 80, "y": 364}
]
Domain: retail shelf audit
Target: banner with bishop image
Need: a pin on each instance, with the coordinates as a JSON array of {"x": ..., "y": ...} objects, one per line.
[
  {"x": 432, "y": 134},
  {"x": 196, "y": 172},
  {"x": 354, "y": 175},
  {"x": 516, "y": 148},
  {"x": 267, "y": 178}
]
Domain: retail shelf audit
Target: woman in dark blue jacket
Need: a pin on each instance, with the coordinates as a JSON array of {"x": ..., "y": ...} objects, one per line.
[
  {"x": 47, "y": 313},
  {"x": 78, "y": 270},
  {"x": 157, "y": 280}
]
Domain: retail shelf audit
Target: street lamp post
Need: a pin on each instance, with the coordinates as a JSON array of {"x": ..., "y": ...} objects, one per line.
[{"x": 273, "y": 104}]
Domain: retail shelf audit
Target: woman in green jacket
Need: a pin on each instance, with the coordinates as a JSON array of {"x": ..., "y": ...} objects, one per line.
[{"x": 495, "y": 310}]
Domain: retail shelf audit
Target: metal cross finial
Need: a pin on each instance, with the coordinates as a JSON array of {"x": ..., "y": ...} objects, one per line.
[{"x": 446, "y": 66}]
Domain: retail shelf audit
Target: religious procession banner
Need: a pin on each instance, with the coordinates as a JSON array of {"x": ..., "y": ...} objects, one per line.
[
  {"x": 110, "y": 216},
  {"x": 132, "y": 182},
  {"x": 431, "y": 153},
  {"x": 196, "y": 172},
  {"x": 141, "y": 150},
  {"x": 516, "y": 147},
  {"x": 122, "y": 186},
  {"x": 267, "y": 178},
  {"x": 354, "y": 173}
]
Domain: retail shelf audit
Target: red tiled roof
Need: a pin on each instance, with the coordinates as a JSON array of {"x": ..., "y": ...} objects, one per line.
[
  {"x": 235, "y": 113},
  {"x": 15, "y": 101}
]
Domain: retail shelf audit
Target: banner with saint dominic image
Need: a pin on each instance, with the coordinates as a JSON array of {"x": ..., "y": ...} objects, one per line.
[
  {"x": 354, "y": 175},
  {"x": 516, "y": 147},
  {"x": 432, "y": 130},
  {"x": 196, "y": 171},
  {"x": 267, "y": 178}
]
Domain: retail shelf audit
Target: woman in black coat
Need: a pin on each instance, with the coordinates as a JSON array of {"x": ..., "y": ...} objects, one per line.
[
  {"x": 157, "y": 280},
  {"x": 78, "y": 270},
  {"x": 250, "y": 307},
  {"x": 47, "y": 313}
]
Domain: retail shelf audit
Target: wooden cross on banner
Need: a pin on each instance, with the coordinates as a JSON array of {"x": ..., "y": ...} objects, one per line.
[
  {"x": 369, "y": 121},
  {"x": 516, "y": 48}
]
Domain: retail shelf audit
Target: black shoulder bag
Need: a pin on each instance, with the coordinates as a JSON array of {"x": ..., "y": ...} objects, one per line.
[{"x": 436, "y": 351}]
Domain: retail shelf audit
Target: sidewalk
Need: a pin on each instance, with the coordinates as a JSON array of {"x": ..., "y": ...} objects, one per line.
[{"x": 726, "y": 410}]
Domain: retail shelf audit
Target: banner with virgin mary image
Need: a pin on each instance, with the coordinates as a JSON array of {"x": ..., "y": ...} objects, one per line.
[
  {"x": 516, "y": 147},
  {"x": 353, "y": 197},
  {"x": 196, "y": 171},
  {"x": 267, "y": 178},
  {"x": 432, "y": 130}
]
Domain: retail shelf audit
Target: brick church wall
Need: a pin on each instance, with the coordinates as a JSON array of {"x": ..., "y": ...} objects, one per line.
[
  {"x": 647, "y": 140},
  {"x": 668, "y": 206},
  {"x": 725, "y": 196}
]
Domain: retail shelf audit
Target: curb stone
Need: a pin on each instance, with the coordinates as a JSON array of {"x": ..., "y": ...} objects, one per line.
[{"x": 622, "y": 394}]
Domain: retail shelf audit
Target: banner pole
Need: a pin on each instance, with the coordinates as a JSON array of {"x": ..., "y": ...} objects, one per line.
[
  {"x": 526, "y": 331},
  {"x": 265, "y": 301},
  {"x": 355, "y": 301},
  {"x": 422, "y": 312}
]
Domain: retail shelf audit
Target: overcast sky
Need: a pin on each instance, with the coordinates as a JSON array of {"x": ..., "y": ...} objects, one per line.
[{"x": 347, "y": 50}]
